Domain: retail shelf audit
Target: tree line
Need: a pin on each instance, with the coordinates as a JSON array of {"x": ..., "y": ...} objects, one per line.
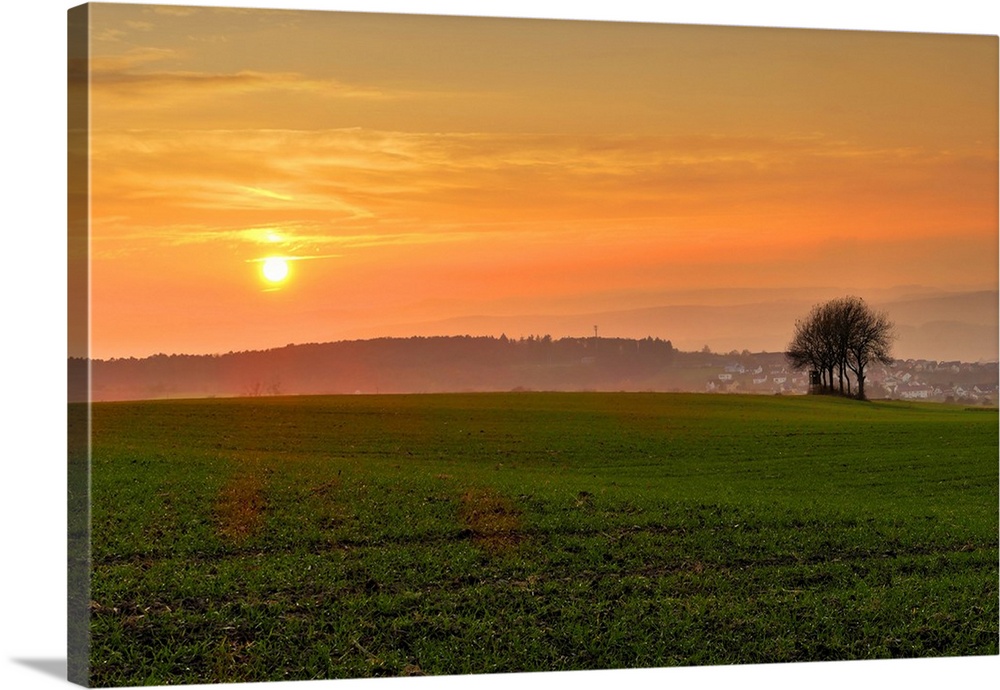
[
  {"x": 386, "y": 365},
  {"x": 838, "y": 338}
]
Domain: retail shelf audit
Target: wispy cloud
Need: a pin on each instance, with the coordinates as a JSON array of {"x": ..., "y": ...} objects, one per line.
[
  {"x": 309, "y": 257},
  {"x": 267, "y": 194},
  {"x": 174, "y": 10},
  {"x": 361, "y": 189},
  {"x": 132, "y": 74},
  {"x": 122, "y": 63},
  {"x": 121, "y": 237},
  {"x": 109, "y": 35},
  {"x": 187, "y": 84}
]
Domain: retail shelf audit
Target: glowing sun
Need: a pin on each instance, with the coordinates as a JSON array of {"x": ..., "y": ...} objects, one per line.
[{"x": 275, "y": 269}]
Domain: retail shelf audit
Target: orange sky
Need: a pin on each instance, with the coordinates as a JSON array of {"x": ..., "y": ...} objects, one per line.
[{"x": 420, "y": 168}]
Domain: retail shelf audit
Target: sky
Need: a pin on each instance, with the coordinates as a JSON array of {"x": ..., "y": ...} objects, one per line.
[{"x": 415, "y": 169}]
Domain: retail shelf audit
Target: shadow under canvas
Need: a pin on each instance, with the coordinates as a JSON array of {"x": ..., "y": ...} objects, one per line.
[{"x": 50, "y": 667}]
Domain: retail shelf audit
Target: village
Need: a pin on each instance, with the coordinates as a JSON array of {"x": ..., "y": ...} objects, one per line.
[{"x": 911, "y": 379}]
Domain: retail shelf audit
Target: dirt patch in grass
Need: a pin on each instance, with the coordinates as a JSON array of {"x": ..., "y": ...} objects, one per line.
[
  {"x": 326, "y": 505},
  {"x": 240, "y": 504},
  {"x": 491, "y": 520},
  {"x": 326, "y": 488}
]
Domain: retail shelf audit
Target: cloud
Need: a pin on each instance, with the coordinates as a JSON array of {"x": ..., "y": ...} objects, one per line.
[
  {"x": 157, "y": 89},
  {"x": 174, "y": 10},
  {"x": 310, "y": 257},
  {"x": 130, "y": 75},
  {"x": 267, "y": 194},
  {"x": 109, "y": 35},
  {"x": 107, "y": 66},
  {"x": 361, "y": 189},
  {"x": 120, "y": 237}
]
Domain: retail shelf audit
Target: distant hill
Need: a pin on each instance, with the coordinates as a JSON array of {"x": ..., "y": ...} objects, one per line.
[
  {"x": 930, "y": 324},
  {"x": 390, "y": 365},
  {"x": 486, "y": 363},
  {"x": 958, "y": 326}
]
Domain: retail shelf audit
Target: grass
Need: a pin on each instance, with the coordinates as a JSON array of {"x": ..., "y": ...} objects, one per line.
[{"x": 332, "y": 537}]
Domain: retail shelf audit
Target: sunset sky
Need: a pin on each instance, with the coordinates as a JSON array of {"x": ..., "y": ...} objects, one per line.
[{"x": 415, "y": 169}]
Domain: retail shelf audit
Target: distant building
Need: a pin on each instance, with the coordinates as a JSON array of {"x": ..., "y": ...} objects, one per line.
[{"x": 916, "y": 392}]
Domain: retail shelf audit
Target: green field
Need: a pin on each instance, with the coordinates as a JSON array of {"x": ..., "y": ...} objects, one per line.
[{"x": 330, "y": 537}]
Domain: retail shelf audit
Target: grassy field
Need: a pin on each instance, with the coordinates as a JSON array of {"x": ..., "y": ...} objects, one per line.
[{"x": 329, "y": 537}]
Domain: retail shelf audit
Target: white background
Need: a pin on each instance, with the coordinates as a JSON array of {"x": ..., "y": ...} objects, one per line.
[{"x": 33, "y": 334}]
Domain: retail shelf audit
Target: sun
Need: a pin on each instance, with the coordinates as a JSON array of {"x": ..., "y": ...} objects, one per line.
[{"x": 275, "y": 269}]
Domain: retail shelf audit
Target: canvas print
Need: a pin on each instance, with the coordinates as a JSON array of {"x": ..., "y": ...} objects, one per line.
[{"x": 413, "y": 345}]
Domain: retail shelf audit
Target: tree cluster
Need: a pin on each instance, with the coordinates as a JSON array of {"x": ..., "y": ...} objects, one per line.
[{"x": 839, "y": 338}]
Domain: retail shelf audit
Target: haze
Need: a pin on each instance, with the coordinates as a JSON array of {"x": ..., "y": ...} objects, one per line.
[{"x": 441, "y": 175}]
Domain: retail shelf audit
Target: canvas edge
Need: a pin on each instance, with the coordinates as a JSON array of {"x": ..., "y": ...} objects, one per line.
[
  {"x": 78, "y": 345},
  {"x": 78, "y": 381}
]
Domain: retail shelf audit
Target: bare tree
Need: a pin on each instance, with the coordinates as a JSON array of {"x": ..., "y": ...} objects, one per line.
[
  {"x": 840, "y": 317},
  {"x": 805, "y": 351},
  {"x": 870, "y": 341},
  {"x": 812, "y": 345},
  {"x": 253, "y": 389},
  {"x": 843, "y": 335}
]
